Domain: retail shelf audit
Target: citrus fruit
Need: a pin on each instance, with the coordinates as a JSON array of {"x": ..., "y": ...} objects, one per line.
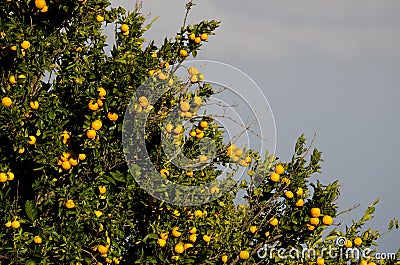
[
  {"x": 300, "y": 203},
  {"x": 315, "y": 212},
  {"x": 32, "y": 140},
  {"x": 102, "y": 249},
  {"x": 102, "y": 189},
  {"x": 185, "y": 106},
  {"x": 279, "y": 169},
  {"x": 207, "y": 238},
  {"x": 15, "y": 224},
  {"x": 99, "y": 18},
  {"x": 161, "y": 242},
  {"x": 197, "y": 100},
  {"x": 327, "y": 220},
  {"x": 179, "y": 248},
  {"x": 91, "y": 134},
  {"x": 70, "y": 204},
  {"x": 34, "y": 104},
  {"x": 25, "y": 44},
  {"x": 274, "y": 222},
  {"x": 6, "y": 101},
  {"x": 244, "y": 254},
  {"x": 175, "y": 232},
  {"x": 3, "y": 177},
  {"x": 204, "y": 36},
  {"x": 357, "y": 241},
  {"x": 253, "y": 229},
  {"x": 143, "y": 101},
  {"x": 204, "y": 124},
  {"x": 40, "y": 4},
  {"x": 320, "y": 261},
  {"x": 8, "y": 224},
  {"x": 224, "y": 259},
  {"x": 37, "y": 240},
  {"x": 183, "y": 53},
  {"x": 274, "y": 177},
  {"x": 96, "y": 125},
  {"x": 82, "y": 156},
  {"x": 197, "y": 40},
  {"x": 10, "y": 176},
  {"x": 314, "y": 221},
  {"x": 93, "y": 106},
  {"x": 66, "y": 165},
  {"x": 102, "y": 92},
  {"x": 193, "y": 238},
  {"x": 12, "y": 80},
  {"x": 299, "y": 192},
  {"x": 348, "y": 244},
  {"x": 289, "y": 194},
  {"x": 187, "y": 245},
  {"x": 164, "y": 235},
  {"x": 203, "y": 158},
  {"x": 124, "y": 28},
  {"x": 193, "y": 71}
]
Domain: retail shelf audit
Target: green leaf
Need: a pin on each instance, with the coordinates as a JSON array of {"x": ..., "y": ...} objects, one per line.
[{"x": 31, "y": 210}]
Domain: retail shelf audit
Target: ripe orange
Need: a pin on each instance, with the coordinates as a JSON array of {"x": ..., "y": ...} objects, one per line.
[
  {"x": 6, "y": 101},
  {"x": 34, "y": 104},
  {"x": 8, "y": 224},
  {"x": 102, "y": 249},
  {"x": 179, "y": 248},
  {"x": 204, "y": 124},
  {"x": 10, "y": 176},
  {"x": 193, "y": 238},
  {"x": 143, "y": 101},
  {"x": 82, "y": 156},
  {"x": 193, "y": 71},
  {"x": 124, "y": 28},
  {"x": 73, "y": 162},
  {"x": 274, "y": 177},
  {"x": 43, "y": 10},
  {"x": 244, "y": 254},
  {"x": 102, "y": 92},
  {"x": 253, "y": 229},
  {"x": 70, "y": 204},
  {"x": 185, "y": 106},
  {"x": 197, "y": 100},
  {"x": 183, "y": 53},
  {"x": 320, "y": 261},
  {"x": 192, "y": 133},
  {"x": 93, "y": 106},
  {"x": 102, "y": 190},
  {"x": 310, "y": 227},
  {"x": 96, "y": 125},
  {"x": 66, "y": 165},
  {"x": 197, "y": 40},
  {"x": 40, "y": 4},
  {"x": 289, "y": 194},
  {"x": 279, "y": 169},
  {"x": 12, "y": 80},
  {"x": 315, "y": 212},
  {"x": 203, "y": 158},
  {"x": 175, "y": 232},
  {"x": 198, "y": 213},
  {"x": 327, "y": 220},
  {"x": 91, "y": 134},
  {"x": 224, "y": 259},
  {"x": 314, "y": 221},
  {"x": 207, "y": 238},
  {"x": 112, "y": 116},
  {"x": 25, "y": 44},
  {"x": 15, "y": 224},
  {"x": 161, "y": 242},
  {"x": 32, "y": 140},
  {"x": 99, "y": 18},
  {"x": 37, "y": 240},
  {"x": 299, "y": 192},
  {"x": 187, "y": 245},
  {"x": 164, "y": 235},
  {"x": 357, "y": 241},
  {"x": 204, "y": 36},
  {"x": 300, "y": 203},
  {"x": 192, "y": 36},
  {"x": 348, "y": 244},
  {"x": 200, "y": 135},
  {"x": 3, "y": 177},
  {"x": 274, "y": 222}
]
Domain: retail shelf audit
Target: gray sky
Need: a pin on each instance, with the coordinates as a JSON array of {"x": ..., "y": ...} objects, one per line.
[{"x": 326, "y": 67}]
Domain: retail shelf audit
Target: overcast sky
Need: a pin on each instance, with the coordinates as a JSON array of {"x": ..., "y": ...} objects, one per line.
[{"x": 331, "y": 67}]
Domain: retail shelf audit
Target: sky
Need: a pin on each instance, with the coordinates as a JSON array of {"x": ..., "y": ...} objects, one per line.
[{"x": 326, "y": 67}]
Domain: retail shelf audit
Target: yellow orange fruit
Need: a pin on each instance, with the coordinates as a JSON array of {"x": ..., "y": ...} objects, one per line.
[
  {"x": 203, "y": 158},
  {"x": 25, "y": 45},
  {"x": 185, "y": 106},
  {"x": 8, "y": 224},
  {"x": 102, "y": 249},
  {"x": 37, "y": 240},
  {"x": 187, "y": 245},
  {"x": 197, "y": 40},
  {"x": 12, "y": 80},
  {"x": 327, "y": 220},
  {"x": 183, "y": 53},
  {"x": 102, "y": 190},
  {"x": 198, "y": 213},
  {"x": 299, "y": 192},
  {"x": 274, "y": 177},
  {"x": 143, "y": 101},
  {"x": 66, "y": 165},
  {"x": 40, "y": 4},
  {"x": 73, "y": 161},
  {"x": 253, "y": 229},
  {"x": 102, "y": 92},
  {"x": 164, "y": 235},
  {"x": 192, "y": 36},
  {"x": 193, "y": 70},
  {"x": 314, "y": 221},
  {"x": 310, "y": 227},
  {"x": 315, "y": 212},
  {"x": 6, "y": 102},
  {"x": 3, "y": 177},
  {"x": 112, "y": 116},
  {"x": 204, "y": 36},
  {"x": 289, "y": 194},
  {"x": 348, "y": 244},
  {"x": 96, "y": 125},
  {"x": 82, "y": 157},
  {"x": 300, "y": 203},
  {"x": 124, "y": 28},
  {"x": 15, "y": 224},
  {"x": 34, "y": 104},
  {"x": 207, "y": 238},
  {"x": 197, "y": 100},
  {"x": 274, "y": 222},
  {"x": 91, "y": 134},
  {"x": 175, "y": 232},
  {"x": 204, "y": 124},
  {"x": 43, "y": 10},
  {"x": 357, "y": 241},
  {"x": 179, "y": 248},
  {"x": 244, "y": 254},
  {"x": 10, "y": 176},
  {"x": 224, "y": 259},
  {"x": 279, "y": 169},
  {"x": 161, "y": 242},
  {"x": 93, "y": 105},
  {"x": 32, "y": 140},
  {"x": 99, "y": 18},
  {"x": 193, "y": 238},
  {"x": 320, "y": 261}
]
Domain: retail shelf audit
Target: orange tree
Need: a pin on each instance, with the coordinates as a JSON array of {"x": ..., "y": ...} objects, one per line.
[{"x": 69, "y": 191}]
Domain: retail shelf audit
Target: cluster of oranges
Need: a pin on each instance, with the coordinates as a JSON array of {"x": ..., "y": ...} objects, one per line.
[
  {"x": 189, "y": 110},
  {"x": 195, "y": 75},
  {"x": 199, "y": 131},
  {"x": 174, "y": 131},
  {"x": 94, "y": 105},
  {"x": 198, "y": 39},
  {"x": 142, "y": 105},
  {"x": 69, "y": 159},
  {"x": 4, "y": 177},
  {"x": 14, "y": 224},
  {"x": 236, "y": 154},
  {"x": 314, "y": 220}
]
